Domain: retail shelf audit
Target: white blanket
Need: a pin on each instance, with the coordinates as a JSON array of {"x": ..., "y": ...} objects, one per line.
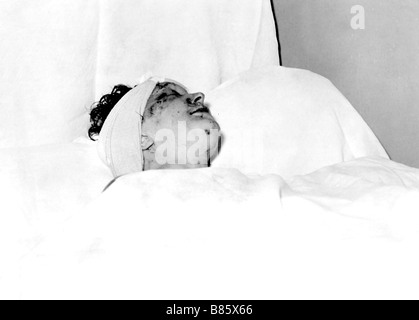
[
  {"x": 346, "y": 231},
  {"x": 349, "y": 229}
]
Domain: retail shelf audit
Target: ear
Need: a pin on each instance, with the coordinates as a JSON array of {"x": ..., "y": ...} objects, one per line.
[{"x": 146, "y": 142}]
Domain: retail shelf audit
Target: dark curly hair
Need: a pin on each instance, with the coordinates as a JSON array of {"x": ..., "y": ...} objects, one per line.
[{"x": 100, "y": 110}]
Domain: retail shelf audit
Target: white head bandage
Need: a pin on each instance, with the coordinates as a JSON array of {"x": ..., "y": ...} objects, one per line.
[{"x": 120, "y": 137}]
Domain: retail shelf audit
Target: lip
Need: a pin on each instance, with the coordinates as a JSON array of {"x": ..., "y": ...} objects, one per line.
[{"x": 199, "y": 111}]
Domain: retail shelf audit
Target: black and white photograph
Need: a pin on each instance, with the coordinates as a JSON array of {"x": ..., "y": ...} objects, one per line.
[{"x": 230, "y": 151}]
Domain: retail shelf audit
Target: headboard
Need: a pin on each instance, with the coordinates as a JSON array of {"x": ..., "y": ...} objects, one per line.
[{"x": 59, "y": 56}]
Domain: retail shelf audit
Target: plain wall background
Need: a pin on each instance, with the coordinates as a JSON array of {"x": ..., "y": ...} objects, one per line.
[{"x": 377, "y": 69}]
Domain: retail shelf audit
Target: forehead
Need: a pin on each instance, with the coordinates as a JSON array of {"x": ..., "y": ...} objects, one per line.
[{"x": 169, "y": 86}]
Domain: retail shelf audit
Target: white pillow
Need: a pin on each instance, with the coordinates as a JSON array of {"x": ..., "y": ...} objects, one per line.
[{"x": 288, "y": 122}]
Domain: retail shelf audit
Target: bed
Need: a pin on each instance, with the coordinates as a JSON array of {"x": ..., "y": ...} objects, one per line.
[{"x": 302, "y": 201}]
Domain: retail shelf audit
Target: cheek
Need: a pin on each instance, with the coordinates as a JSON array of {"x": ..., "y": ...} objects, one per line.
[
  {"x": 207, "y": 129},
  {"x": 203, "y": 124},
  {"x": 177, "y": 118},
  {"x": 171, "y": 123}
]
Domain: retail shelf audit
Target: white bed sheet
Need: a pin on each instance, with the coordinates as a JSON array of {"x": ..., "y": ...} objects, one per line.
[{"x": 346, "y": 231}]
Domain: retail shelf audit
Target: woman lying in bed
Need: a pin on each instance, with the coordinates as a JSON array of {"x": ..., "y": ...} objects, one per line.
[{"x": 155, "y": 125}]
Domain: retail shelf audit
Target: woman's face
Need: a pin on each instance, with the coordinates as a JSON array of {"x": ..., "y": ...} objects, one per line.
[{"x": 178, "y": 129}]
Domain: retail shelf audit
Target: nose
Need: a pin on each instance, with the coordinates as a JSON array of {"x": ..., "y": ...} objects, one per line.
[{"x": 197, "y": 98}]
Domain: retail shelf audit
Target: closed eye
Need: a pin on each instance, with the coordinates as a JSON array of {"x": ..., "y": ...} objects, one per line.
[
  {"x": 165, "y": 95},
  {"x": 175, "y": 93}
]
